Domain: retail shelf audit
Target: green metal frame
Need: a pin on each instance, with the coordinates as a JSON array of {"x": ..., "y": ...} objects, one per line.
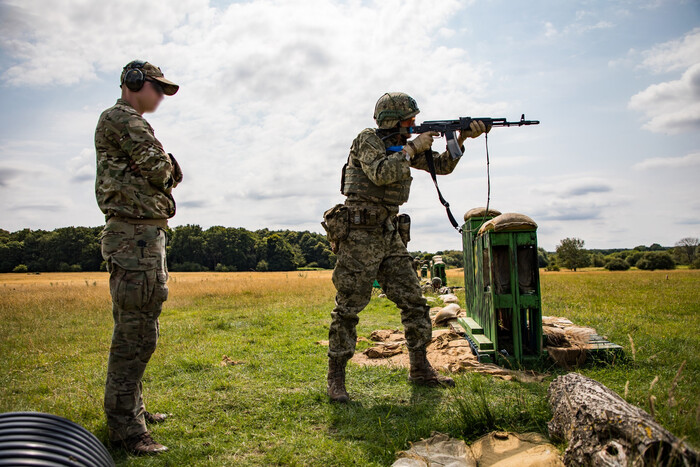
[{"x": 502, "y": 294}]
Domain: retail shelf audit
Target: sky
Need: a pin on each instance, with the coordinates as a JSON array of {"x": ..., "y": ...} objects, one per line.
[{"x": 273, "y": 92}]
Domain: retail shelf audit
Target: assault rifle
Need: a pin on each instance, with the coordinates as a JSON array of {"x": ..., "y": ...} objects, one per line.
[{"x": 447, "y": 128}]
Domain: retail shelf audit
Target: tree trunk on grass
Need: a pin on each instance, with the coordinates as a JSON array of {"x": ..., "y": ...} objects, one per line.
[{"x": 602, "y": 429}]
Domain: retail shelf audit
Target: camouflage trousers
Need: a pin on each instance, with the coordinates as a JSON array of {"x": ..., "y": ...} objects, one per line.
[
  {"x": 135, "y": 256},
  {"x": 363, "y": 256}
]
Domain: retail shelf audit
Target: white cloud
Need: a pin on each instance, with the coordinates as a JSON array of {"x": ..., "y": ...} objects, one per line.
[
  {"x": 674, "y": 55},
  {"x": 690, "y": 160},
  {"x": 270, "y": 96},
  {"x": 76, "y": 40},
  {"x": 82, "y": 166},
  {"x": 583, "y": 23},
  {"x": 575, "y": 186},
  {"x": 549, "y": 30},
  {"x": 673, "y": 106},
  {"x": 273, "y": 92}
]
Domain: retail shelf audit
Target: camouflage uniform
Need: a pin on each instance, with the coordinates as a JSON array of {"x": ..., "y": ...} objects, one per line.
[
  {"x": 378, "y": 252},
  {"x": 136, "y": 204},
  {"x": 370, "y": 237}
]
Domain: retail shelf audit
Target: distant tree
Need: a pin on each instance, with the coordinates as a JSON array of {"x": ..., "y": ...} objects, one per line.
[
  {"x": 656, "y": 247},
  {"x": 684, "y": 252},
  {"x": 20, "y": 235},
  {"x": 634, "y": 255},
  {"x": 315, "y": 248},
  {"x": 188, "y": 266},
  {"x": 696, "y": 263},
  {"x": 598, "y": 260},
  {"x": 10, "y": 255},
  {"x": 617, "y": 264},
  {"x": 656, "y": 260},
  {"x": 454, "y": 258},
  {"x": 571, "y": 255},
  {"x": 20, "y": 268},
  {"x": 187, "y": 245},
  {"x": 542, "y": 258},
  {"x": 233, "y": 248},
  {"x": 279, "y": 254}
]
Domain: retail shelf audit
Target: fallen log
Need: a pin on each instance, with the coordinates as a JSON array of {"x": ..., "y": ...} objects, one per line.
[{"x": 602, "y": 429}]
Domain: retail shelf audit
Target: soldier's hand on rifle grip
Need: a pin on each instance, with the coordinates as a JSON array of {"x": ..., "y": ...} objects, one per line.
[
  {"x": 476, "y": 128},
  {"x": 421, "y": 143}
]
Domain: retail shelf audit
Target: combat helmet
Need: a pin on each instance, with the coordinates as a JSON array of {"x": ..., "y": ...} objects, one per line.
[{"x": 393, "y": 107}]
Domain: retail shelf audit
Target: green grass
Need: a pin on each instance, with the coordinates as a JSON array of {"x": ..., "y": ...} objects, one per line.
[
  {"x": 660, "y": 312},
  {"x": 271, "y": 409}
]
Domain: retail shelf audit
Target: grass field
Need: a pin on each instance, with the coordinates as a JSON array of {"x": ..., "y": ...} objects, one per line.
[{"x": 271, "y": 408}]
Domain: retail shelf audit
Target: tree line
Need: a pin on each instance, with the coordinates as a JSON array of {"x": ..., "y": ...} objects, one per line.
[
  {"x": 190, "y": 248},
  {"x": 570, "y": 254}
]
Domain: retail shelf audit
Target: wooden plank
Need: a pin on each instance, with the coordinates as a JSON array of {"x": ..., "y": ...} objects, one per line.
[
  {"x": 474, "y": 327},
  {"x": 483, "y": 342}
]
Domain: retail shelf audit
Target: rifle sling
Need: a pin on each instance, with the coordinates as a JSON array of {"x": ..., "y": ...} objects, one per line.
[{"x": 431, "y": 168}]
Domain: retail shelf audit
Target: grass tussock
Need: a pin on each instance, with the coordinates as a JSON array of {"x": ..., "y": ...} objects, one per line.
[{"x": 269, "y": 406}]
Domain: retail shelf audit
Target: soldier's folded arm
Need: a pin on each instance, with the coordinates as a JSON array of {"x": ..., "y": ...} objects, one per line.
[
  {"x": 153, "y": 162},
  {"x": 177, "y": 171},
  {"x": 382, "y": 168}
]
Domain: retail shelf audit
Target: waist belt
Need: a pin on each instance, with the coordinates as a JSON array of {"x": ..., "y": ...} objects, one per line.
[
  {"x": 162, "y": 223},
  {"x": 367, "y": 217}
]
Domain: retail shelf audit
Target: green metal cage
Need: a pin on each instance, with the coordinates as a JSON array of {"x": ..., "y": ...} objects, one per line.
[{"x": 502, "y": 287}]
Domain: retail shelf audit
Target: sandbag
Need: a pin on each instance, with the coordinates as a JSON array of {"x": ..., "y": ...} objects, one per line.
[
  {"x": 480, "y": 212},
  {"x": 508, "y": 222},
  {"x": 502, "y": 449}
]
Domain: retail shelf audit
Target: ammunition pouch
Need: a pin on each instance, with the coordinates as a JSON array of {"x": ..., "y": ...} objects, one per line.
[
  {"x": 403, "y": 225},
  {"x": 336, "y": 224},
  {"x": 367, "y": 217}
]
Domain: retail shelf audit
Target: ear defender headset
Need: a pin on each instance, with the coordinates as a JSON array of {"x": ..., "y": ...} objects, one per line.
[{"x": 134, "y": 77}]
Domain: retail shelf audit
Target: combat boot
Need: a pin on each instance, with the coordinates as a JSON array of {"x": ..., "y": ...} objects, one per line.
[
  {"x": 423, "y": 374},
  {"x": 143, "y": 444},
  {"x": 336, "y": 379}
]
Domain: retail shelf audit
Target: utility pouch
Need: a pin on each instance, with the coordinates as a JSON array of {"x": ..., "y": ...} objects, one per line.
[
  {"x": 336, "y": 224},
  {"x": 403, "y": 225},
  {"x": 366, "y": 217}
]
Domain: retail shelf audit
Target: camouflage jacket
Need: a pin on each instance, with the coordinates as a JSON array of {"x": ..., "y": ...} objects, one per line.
[
  {"x": 123, "y": 136},
  {"x": 371, "y": 174}
]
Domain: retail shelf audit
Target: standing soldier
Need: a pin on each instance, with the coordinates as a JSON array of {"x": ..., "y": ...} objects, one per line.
[
  {"x": 370, "y": 237},
  {"x": 135, "y": 178}
]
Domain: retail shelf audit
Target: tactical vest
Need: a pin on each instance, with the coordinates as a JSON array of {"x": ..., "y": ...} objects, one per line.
[{"x": 355, "y": 182}]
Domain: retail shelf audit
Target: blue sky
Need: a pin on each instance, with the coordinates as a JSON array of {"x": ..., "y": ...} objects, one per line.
[{"x": 273, "y": 93}]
